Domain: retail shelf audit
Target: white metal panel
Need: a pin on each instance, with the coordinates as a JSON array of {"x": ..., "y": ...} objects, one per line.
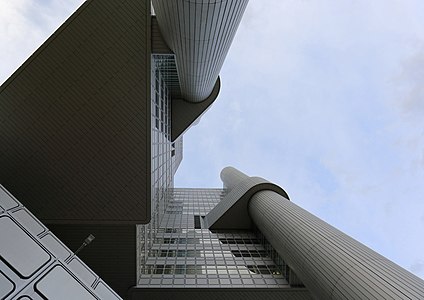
[
  {"x": 6, "y": 286},
  {"x": 60, "y": 284},
  {"x": 19, "y": 250},
  {"x": 34, "y": 262}
]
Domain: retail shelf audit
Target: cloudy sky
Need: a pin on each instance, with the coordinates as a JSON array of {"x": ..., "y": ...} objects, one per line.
[{"x": 324, "y": 98}]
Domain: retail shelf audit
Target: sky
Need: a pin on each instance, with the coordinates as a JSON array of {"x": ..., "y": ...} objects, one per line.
[{"x": 324, "y": 98}]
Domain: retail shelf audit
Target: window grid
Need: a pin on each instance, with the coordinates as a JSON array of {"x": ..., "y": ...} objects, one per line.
[
  {"x": 162, "y": 162},
  {"x": 182, "y": 256}
]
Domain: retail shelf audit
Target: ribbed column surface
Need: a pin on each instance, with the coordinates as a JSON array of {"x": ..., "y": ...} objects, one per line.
[
  {"x": 331, "y": 264},
  {"x": 231, "y": 177},
  {"x": 200, "y": 33}
]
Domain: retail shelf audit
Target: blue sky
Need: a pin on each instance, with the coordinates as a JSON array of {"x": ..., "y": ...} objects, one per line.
[{"x": 324, "y": 98}]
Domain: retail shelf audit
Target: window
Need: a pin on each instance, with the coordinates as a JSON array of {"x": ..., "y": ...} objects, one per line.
[{"x": 197, "y": 224}]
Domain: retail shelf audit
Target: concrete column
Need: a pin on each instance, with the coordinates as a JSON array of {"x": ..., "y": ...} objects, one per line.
[
  {"x": 200, "y": 33},
  {"x": 331, "y": 264},
  {"x": 231, "y": 177}
]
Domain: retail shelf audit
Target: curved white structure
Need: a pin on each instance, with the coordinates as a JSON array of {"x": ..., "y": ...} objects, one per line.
[{"x": 200, "y": 33}]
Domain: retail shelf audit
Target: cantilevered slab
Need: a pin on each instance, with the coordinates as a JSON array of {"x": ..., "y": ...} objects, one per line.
[
  {"x": 232, "y": 212},
  {"x": 185, "y": 113}
]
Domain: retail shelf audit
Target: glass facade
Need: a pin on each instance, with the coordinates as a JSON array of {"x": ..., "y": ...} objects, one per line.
[
  {"x": 288, "y": 273},
  {"x": 183, "y": 256},
  {"x": 175, "y": 249},
  {"x": 166, "y": 155}
]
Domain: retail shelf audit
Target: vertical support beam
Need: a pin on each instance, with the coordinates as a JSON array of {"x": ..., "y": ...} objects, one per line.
[{"x": 331, "y": 264}]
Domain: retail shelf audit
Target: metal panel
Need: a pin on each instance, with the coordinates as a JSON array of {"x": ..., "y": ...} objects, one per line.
[
  {"x": 19, "y": 250},
  {"x": 112, "y": 255},
  {"x": 52, "y": 286},
  {"x": 34, "y": 262},
  {"x": 6, "y": 286},
  {"x": 200, "y": 33}
]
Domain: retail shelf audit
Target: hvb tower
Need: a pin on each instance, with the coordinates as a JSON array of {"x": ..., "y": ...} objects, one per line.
[{"x": 91, "y": 135}]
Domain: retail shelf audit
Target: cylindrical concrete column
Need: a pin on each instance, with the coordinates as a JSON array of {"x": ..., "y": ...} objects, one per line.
[
  {"x": 331, "y": 264},
  {"x": 200, "y": 33},
  {"x": 231, "y": 177}
]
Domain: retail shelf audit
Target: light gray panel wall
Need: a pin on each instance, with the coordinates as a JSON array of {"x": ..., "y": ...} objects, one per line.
[
  {"x": 33, "y": 257},
  {"x": 75, "y": 119},
  {"x": 331, "y": 264},
  {"x": 200, "y": 33}
]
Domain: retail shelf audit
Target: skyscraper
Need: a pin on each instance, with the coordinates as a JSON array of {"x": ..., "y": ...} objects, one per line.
[{"x": 92, "y": 128}]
